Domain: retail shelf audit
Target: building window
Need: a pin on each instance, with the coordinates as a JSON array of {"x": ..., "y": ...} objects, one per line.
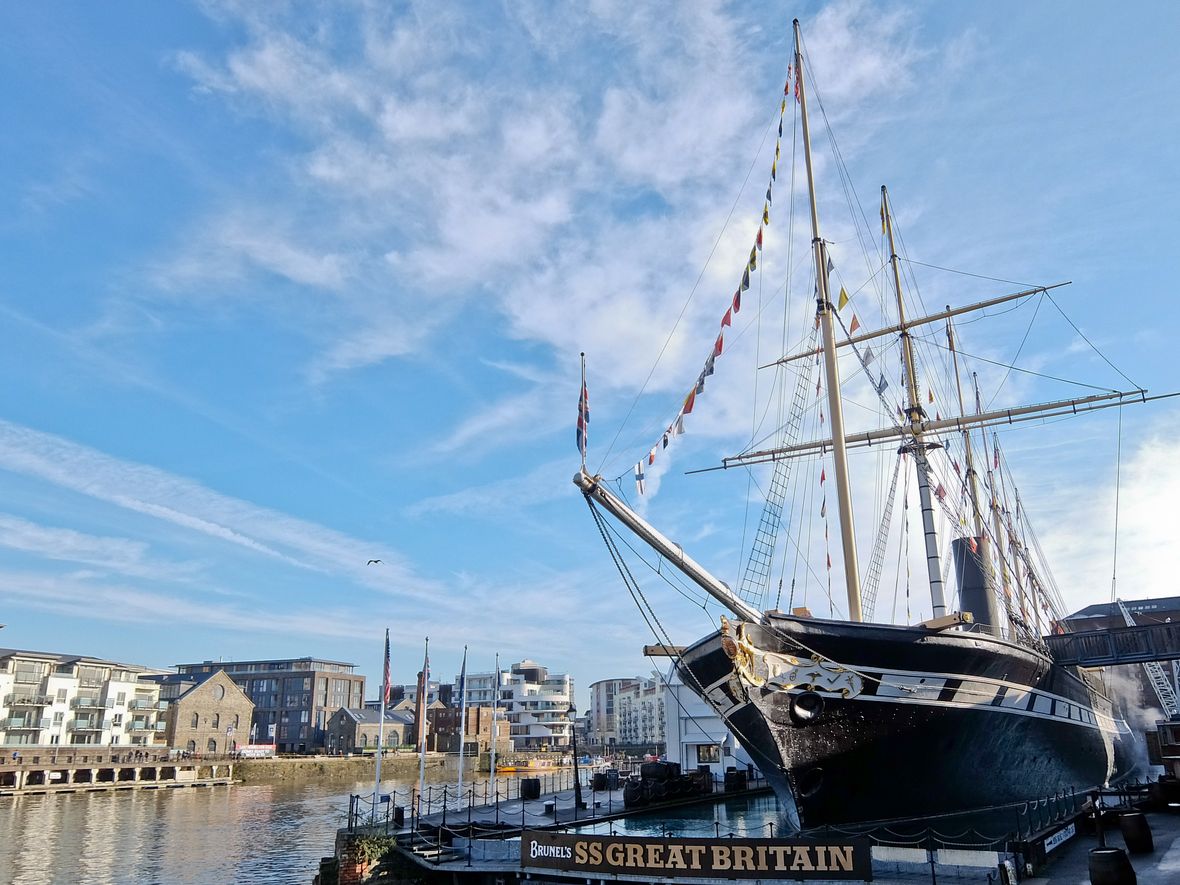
[
  {"x": 216, "y": 721},
  {"x": 212, "y": 745},
  {"x": 121, "y": 699},
  {"x": 61, "y": 695},
  {"x": 237, "y": 721},
  {"x": 191, "y": 746},
  {"x": 196, "y": 720},
  {"x": 708, "y": 753}
]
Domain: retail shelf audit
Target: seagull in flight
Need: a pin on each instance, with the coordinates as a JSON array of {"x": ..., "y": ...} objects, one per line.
[{"x": 373, "y": 562}]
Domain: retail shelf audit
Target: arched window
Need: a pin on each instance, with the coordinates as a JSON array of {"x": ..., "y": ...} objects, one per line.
[
  {"x": 196, "y": 720},
  {"x": 364, "y": 740},
  {"x": 212, "y": 747},
  {"x": 216, "y": 720},
  {"x": 237, "y": 721},
  {"x": 192, "y": 746}
]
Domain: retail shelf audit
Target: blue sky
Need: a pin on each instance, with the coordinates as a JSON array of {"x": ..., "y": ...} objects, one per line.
[{"x": 290, "y": 287}]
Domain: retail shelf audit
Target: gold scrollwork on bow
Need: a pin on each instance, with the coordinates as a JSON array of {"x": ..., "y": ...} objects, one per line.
[{"x": 759, "y": 668}]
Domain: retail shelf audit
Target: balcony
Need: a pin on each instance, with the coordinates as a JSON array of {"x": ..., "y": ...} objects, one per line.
[
  {"x": 27, "y": 700},
  {"x": 143, "y": 704},
  {"x": 85, "y": 703},
  {"x": 141, "y": 725},
  {"x": 86, "y": 725},
  {"x": 19, "y": 724}
]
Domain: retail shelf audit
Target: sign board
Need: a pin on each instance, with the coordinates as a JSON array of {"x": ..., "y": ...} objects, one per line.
[
  {"x": 793, "y": 859},
  {"x": 1060, "y": 837},
  {"x": 256, "y": 751}
]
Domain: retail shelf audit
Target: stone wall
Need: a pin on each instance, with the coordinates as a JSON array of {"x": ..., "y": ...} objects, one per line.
[{"x": 349, "y": 768}]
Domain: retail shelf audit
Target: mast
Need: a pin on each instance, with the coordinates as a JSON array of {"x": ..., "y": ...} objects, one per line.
[
  {"x": 831, "y": 368},
  {"x": 997, "y": 528},
  {"x": 1013, "y": 541},
  {"x": 968, "y": 452},
  {"x": 984, "y": 553},
  {"x": 915, "y": 414}
]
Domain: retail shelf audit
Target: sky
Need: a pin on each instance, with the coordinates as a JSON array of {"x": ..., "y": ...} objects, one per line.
[{"x": 290, "y": 287}]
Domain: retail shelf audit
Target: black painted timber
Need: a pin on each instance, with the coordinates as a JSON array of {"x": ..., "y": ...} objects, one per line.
[{"x": 1117, "y": 645}]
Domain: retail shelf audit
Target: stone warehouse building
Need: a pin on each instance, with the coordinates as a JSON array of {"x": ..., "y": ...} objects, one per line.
[{"x": 211, "y": 717}]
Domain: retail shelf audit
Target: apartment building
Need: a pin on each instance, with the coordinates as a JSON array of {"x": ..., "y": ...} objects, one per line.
[
  {"x": 532, "y": 704},
  {"x": 640, "y": 712},
  {"x": 536, "y": 704},
  {"x": 294, "y": 698},
  {"x": 602, "y": 718},
  {"x": 48, "y": 698}
]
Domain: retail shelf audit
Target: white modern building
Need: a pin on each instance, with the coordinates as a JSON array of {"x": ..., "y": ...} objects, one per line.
[
  {"x": 51, "y": 699},
  {"x": 536, "y": 704},
  {"x": 640, "y": 712},
  {"x": 602, "y": 716},
  {"x": 696, "y": 736}
]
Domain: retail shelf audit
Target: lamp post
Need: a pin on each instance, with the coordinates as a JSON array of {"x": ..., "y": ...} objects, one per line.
[{"x": 572, "y": 713}]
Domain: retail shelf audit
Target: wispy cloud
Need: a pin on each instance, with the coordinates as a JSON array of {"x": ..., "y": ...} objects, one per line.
[
  {"x": 512, "y": 495},
  {"x": 191, "y": 507},
  {"x": 121, "y": 555},
  {"x": 438, "y": 191}
]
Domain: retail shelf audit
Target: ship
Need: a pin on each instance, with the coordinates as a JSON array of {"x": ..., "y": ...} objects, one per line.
[{"x": 851, "y": 720}]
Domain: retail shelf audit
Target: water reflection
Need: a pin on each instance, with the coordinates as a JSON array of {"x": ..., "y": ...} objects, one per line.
[{"x": 273, "y": 833}]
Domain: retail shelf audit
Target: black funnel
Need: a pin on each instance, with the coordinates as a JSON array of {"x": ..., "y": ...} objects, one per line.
[{"x": 976, "y": 587}]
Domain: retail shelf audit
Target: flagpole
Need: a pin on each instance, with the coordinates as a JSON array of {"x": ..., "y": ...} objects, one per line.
[
  {"x": 381, "y": 722},
  {"x": 495, "y": 717},
  {"x": 462, "y": 718},
  {"x": 425, "y": 694}
]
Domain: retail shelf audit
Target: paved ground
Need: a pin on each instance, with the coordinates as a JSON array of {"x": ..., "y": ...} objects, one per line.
[{"x": 1161, "y": 867}]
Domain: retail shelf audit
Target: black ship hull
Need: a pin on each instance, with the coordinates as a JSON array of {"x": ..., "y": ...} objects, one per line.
[{"x": 860, "y": 722}]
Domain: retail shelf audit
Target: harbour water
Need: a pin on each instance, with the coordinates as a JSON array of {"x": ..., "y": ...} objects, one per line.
[
  {"x": 216, "y": 835},
  {"x": 195, "y": 836},
  {"x": 242, "y": 834}
]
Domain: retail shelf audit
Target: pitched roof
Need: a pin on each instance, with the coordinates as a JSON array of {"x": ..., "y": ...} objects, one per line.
[{"x": 365, "y": 716}]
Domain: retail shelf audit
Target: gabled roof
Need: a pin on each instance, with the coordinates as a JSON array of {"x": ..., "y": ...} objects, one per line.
[
  {"x": 365, "y": 716},
  {"x": 229, "y": 683}
]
